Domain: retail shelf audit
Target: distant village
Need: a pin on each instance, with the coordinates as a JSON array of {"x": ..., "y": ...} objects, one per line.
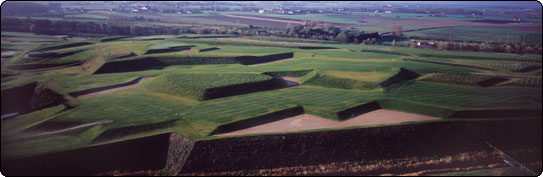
[{"x": 186, "y": 8}]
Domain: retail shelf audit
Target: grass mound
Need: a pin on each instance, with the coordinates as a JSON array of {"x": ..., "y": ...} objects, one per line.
[
  {"x": 140, "y": 63},
  {"x": 345, "y": 79},
  {"x": 485, "y": 56},
  {"x": 480, "y": 80},
  {"x": 358, "y": 110},
  {"x": 114, "y": 133},
  {"x": 476, "y": 66},
  {"x": 296, "y": 73},
  {"x": 383, "y": 52},
  {"x": 120, "y": 55},
  {"x": 166, "y": 47},
  {"x": 62, "y": 45},
  {"x": 38, "y": 58},
  {"x": 258, "y": 120},
  {"x": 455, "y": 78},
  {"x": 402, "y": 75},
  {"x": 112, "y": 39},
  {"x": 523, "y": 82},
  {"x": 210, "y": 85}
]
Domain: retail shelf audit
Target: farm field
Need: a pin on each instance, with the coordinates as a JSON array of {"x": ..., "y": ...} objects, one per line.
[
  {"x": 490, "y": 34},
  {"x": 82, "y": 94}
]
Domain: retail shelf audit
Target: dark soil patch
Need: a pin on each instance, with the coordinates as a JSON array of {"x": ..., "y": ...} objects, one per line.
[
  {"x": 403, "y": 75},
  {"x": 152, "y": 39},
  {"x": 358, "y": 110},
  {"x": 111, "y": 134},
  {"x": 315, "y": 48},
  {"x": 8, "y": 75},
  {"x": 29, "y": 97},
  {"x": 296, "y": 73},
  {"x": 171, "y": 49},
  {"x": 148, "y": 153},
  {"x": 232, "y": 90},
  {"x": 53, "y": 126},
  {"x": 209, "y": 49},
  {"x": 492, "y": 81},
  {"x": 367, "y": 144}
]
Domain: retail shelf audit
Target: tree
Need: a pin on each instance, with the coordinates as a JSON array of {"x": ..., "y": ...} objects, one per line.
[
  {"x": 342, "y": 37},
  {"x": 397, "y": 30}
]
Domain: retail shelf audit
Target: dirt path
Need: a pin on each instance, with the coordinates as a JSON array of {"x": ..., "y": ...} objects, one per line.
[
  {"x": 59, "y": 131},
  {"x": 268, "y": 19},
  {"x": 113, "y": 89},
  {"x": 308, "y": 122},
  {"x": 286, "y": 59},
  {"x": 100, "y": 49}
]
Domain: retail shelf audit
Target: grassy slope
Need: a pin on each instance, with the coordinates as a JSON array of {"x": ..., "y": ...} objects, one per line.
[
  {"x": 195, "y": 85},
  {"x": 195, "y": 119}
]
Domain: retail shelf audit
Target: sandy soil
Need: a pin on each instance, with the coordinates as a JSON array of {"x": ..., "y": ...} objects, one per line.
[
  {"x": 308, "y": 122},
  {"x": 188, "y": 51},
  {"x": 286, "y": 59},
  {"x": 292, "y": 81},
  {"x": 113, "y": 89}
]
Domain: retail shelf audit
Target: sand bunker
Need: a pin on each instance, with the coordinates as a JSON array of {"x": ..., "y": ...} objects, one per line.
[
  {"x": 188, "y": 51},
  {"x": 308, "y": 122},
  {"x": 292, "y": 81}
]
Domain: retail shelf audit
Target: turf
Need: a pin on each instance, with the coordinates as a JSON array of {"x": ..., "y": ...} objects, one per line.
[{"x": 171, "y": 101}]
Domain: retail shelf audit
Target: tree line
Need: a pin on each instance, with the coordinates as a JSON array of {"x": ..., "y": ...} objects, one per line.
[
  {"x": 309, "y": 30},
  {"x": 512, "y": 47}
]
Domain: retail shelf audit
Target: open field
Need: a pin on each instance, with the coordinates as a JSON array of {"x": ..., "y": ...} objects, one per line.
[
  {"x": 95, "y": 93},
  {"x": 531, "y": 35}
]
